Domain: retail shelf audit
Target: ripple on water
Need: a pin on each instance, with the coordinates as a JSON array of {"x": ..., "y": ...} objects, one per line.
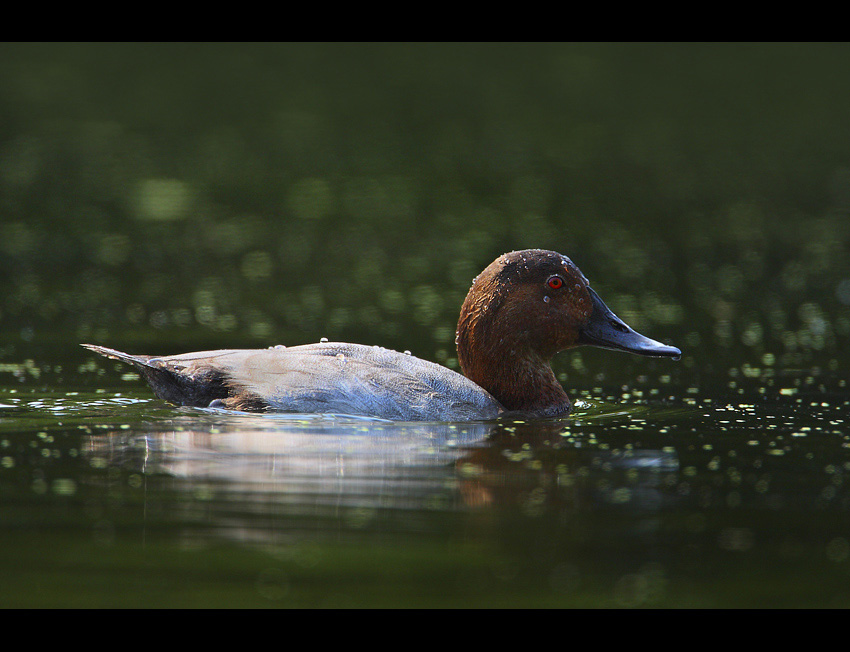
[{"x": 676, "y": 478}]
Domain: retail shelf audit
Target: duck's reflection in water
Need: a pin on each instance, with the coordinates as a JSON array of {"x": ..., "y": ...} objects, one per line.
[{"x": 256, "y": 476}]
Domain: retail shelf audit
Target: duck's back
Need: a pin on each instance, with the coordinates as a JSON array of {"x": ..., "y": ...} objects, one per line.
[{"x": 328, "y": 377}]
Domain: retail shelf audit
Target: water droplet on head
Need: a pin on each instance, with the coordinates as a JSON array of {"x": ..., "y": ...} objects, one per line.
[{"x": 324, "y": 339}]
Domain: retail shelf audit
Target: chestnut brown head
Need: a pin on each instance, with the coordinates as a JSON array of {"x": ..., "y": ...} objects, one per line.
[{"x": 538, "y": 302}]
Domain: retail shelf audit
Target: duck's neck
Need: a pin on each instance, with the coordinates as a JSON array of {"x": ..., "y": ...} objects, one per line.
[{"x": 519, "y": 378}]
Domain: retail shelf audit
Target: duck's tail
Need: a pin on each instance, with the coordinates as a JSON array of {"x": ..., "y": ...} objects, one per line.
[
  {"x": 137, "y": 361},
  {"x": 167, "y": 380},
  {"x": 198, "y": 385},
  {"x": 165, "y": 383}
]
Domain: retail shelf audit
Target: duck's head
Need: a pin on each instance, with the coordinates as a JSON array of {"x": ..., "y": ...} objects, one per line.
[{"x": 525, "y": 307}]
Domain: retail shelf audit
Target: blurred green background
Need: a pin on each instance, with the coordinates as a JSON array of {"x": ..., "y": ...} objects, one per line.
[{"x": 169, "y": 197}]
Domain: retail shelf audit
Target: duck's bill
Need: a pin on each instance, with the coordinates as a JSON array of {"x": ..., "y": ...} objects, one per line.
[{"x": 606, "y": 330}]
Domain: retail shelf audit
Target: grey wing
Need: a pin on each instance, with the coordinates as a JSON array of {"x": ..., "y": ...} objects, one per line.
[
  {"x": 361, "y": 380},
  {"x": 316, "y": 378}
]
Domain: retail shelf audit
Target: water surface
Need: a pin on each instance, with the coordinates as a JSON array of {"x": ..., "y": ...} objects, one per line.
[{"x": 113, "y": 498}]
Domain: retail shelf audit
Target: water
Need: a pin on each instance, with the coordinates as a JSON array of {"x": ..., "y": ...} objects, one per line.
[{"x": 113, "y": 498}]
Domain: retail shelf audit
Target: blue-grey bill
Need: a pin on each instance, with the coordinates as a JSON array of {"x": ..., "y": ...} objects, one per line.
[{"x": 606, "y": 330}]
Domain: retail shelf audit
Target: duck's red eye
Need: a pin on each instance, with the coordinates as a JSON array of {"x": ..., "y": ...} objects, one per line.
[{"x": 555, "y": 282}]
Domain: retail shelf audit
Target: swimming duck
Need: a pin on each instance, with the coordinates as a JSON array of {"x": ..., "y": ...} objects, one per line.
[{"x": 525, "y": 307}]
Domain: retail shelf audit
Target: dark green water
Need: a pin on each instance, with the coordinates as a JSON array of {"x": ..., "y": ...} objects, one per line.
[
  {"x": 643, "y": 498},
  {"x": 167, "y": 198}
]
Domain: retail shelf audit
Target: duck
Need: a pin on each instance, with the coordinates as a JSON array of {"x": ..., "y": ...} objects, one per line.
[{"x": 523, "y": 309}]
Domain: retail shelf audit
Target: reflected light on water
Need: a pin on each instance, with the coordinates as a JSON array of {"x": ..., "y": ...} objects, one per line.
[
  {"x": 640, "y": 494},
  {"x": 254, "y": 477}
]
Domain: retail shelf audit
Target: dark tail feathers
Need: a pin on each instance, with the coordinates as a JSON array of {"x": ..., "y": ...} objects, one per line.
[{"x": 169, "y": 382}]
